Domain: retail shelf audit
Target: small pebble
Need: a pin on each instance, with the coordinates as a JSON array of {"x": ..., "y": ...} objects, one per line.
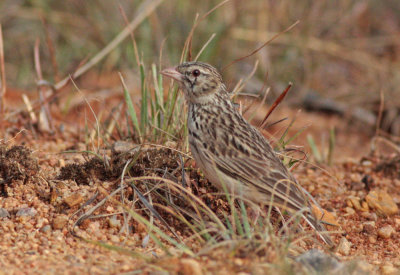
[
  {"x": 366, "y": 215},
  {"x": 386, "y": 232},
  {"x": 355, "y": 202},
  {"x": 190, "y": 266},
  {"x": 113, "y": 222},
  {"x": 350, "y": 211},
  {"x": 389, "y": 269},
  {"x": 372, "y": 239},
  {"x": 114, "y": 239},
  {"x": 26, "y": 212},
  {"x": 60, "y": 221},
  {"x": 4, "y": 213},
  {"x": 369, "y": 227},
  {"x": 373, "y": 217},
  {"x": 318, "y": 262},
  {"x": 73, "y": 200},
  {"x": 45, "y": 229},
  {"x": 382, "y": 202},
  {"x": 367, "y": 163},
  {"x": 344, "y": 246}
]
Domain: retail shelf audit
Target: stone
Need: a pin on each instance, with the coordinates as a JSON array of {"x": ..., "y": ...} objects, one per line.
[
  {"x": 369, "y": 227},
  {"x": 113, "y": 222},
  {"x": 121, "y": 146},
  {"x": 190, "y": 266},
  {"x": 355, "y": 202},
  {"x": 60, "y": 222},
  {"x": 350, "y": 211},
  {"x": 372, "y": 239},
  {"x": 364, "y": 206},
  {"x": 373, "y": 217},
  {"x": 344, "y": 247},
  {"x": 324, "y": 215},
  {"x": 73, "y": 200},
  {"x": 46, "y": 228},
  {"x": 4, "y": 213},
  {"x": 382, "y": 202},
  {"x": 388, "y": 269},
  {"x": 26, "y": 212},
  {"x": 318, "y": 262},
  {"x": 386, "y": 232}
]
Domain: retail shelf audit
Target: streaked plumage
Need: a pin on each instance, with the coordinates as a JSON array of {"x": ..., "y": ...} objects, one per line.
[{"x": 229, "y": 150}]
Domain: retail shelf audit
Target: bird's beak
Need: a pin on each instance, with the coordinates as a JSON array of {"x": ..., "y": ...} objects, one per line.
[{"x": 173, "y": 73}]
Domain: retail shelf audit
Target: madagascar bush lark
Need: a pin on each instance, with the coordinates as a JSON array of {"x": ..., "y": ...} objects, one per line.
[{"x": 230, "y": 151}]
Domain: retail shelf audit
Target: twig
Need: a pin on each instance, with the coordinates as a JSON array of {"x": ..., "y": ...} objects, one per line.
[
  {"x": 29, "y": 108},
  {"x": 381, "y": 108},
  {"x": 45, "y": 122},
  {"x": 52, "y": 50},
  {"x": 204, "y": 46},
  {"x": 135, "y": 49},
  {"x": 188, "y": 42},
  {"x": 3, "y": 74},
  {"x": 263, "y": 45},
  {"x": 276, "y": 103}
]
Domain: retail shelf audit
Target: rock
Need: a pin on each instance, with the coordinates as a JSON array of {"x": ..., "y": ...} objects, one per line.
[
  {"x": 372, "y": 239},
  {"x": 318, "y": 262},
  {"x": 389, "y": 269},
  {"x": 26, "y": 212},
  {"x": 386, "y": 232},
  {"x": 349, "y": 211},
  {"x": 373, "y": 217},
  {"x": 367, "y": 163},
  {"x": 365, "y": 214},
  {"x": 121, "y": 146},
  {"x": 113, "y": 222},
  {"x": 4, "y": 213},
  {"x": 114, "y": 239},
  {"x": 369, "y": 227},
  {"x": 344, "y": 246},
  {"x": 364, "y": 206},
  {"x": 358, "y": 228},
  {"x": 324, "y": 216},
  {"x": 382, "y": 202},
  {"x": 73, "y": 199},
  {"x": 360, "y": 268},
  {"x": 45, "y": 228},
  {"x": 190, "y": 266},
  {"x": 60, "y": 221},
  {"x": 355, "y": 202},
  {"x": 357, "y": 185},
  {"x": 397, "y": 221}
]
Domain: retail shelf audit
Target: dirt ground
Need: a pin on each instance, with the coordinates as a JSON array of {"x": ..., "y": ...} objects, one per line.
[{"x": 43, "y": 189}]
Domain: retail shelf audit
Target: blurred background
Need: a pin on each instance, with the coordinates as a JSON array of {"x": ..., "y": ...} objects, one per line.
[{"x": 342, "y": 57}]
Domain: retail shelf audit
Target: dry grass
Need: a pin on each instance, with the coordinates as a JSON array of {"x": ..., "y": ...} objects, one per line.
[{"x": 106, "y": 88}]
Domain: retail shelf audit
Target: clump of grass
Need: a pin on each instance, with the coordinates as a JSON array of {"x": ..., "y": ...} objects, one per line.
[
  {"x": 323, "y": 155},
  {"x": 158, "y": 120}
]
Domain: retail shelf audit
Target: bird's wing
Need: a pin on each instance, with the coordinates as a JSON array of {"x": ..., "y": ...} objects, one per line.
[
  {"x": 280, "y": 191},
  {"x": 278, "y": 186}
]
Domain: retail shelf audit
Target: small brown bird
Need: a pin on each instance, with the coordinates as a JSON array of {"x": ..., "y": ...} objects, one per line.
[{"x": 230, "y": 151}]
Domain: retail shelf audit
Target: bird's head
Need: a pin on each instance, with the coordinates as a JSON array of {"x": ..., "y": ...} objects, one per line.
[{"x": 199, "y": 81}]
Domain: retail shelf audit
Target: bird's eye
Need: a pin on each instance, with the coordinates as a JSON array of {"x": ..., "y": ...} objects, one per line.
[{"x": 196, "y": 73}]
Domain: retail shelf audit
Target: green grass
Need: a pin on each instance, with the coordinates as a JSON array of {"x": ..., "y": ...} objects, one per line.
[
  {"x": 319, "y": 54},
  {"x": 325, "y": 154}
]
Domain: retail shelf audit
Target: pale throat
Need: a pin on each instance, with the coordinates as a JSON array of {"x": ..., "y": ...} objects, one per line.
[{"x": 202, "y": 98}]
